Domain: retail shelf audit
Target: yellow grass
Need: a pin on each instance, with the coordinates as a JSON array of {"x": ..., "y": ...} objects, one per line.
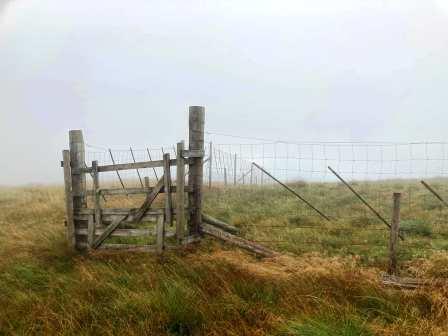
[{"x": 209, "y": 289}]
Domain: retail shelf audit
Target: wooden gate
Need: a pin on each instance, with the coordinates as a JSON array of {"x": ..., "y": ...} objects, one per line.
[{"x": 176, "y": 223}]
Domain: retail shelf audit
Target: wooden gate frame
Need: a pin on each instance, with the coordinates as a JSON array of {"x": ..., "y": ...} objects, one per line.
[{"x": 92, "y": 236}]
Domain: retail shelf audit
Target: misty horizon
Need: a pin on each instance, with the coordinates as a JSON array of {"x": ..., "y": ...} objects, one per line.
[{"x": 289, "y": 71}]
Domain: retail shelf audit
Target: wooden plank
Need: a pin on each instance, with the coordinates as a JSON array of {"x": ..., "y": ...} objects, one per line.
[
  {"x": 219, "y": 224},
  {"x": 394, "y": 231},
  {"x": 97, "y": 200},
  {"x": 193, "y": 153},
  {"x": 125, "y": 232},
  {"x": 160, "y": 244},
  {"x": 118, "y": 211},
  {"x": 126, "y": 166},
  {"x": 131, "y": 191},
  {"x": 237, "y": 241},
  {"x": 180, "y": 194},
  {"x": 195, "y": 169},
  {"x": 167, "y": 186},
  {"x": 149, "y": 199},
  {"x": 106, "y": 233},
  {"x": 69, "y": 199},
  {"x": 130, "y": 247}
]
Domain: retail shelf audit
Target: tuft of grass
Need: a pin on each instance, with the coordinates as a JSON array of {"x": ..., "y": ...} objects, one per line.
[{"x": 327, "y": 326}]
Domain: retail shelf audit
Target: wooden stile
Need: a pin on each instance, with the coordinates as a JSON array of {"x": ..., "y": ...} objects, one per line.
[
  {"x": 89, "y": 228},
  {"x": 180, "y": 193}
]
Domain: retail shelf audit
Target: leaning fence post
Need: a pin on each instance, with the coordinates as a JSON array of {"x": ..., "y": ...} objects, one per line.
[
  {"x": 210, "y": 163},
  {"x": 68, "y": 198},
  {"x": 180, "y": 193},
  {"x": 77, "y": 160},
  {"x": 394, "y": 232},
  {"x": 195, "y": 172}
]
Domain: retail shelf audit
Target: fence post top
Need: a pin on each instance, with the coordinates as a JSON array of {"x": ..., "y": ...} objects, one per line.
[{"x": 75, "y": 135}]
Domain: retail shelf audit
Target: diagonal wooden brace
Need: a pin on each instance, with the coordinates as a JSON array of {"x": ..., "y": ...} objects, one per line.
[{"x": 151, "y": 197}]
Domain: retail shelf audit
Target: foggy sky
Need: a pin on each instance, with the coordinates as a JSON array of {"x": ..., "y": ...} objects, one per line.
[{"x": 288, "y": 70}]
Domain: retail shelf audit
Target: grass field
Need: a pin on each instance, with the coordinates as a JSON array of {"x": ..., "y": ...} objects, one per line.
[{"x": 328, "y": 287}]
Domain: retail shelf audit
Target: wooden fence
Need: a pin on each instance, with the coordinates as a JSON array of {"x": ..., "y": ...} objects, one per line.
[{"x": 90, "y": 228}]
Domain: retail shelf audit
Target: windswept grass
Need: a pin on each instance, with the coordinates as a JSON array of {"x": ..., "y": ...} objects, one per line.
[{"x": 208, "y": 289}]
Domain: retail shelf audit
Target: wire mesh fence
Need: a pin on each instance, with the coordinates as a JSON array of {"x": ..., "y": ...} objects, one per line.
[{"x": 267, "y": 213}]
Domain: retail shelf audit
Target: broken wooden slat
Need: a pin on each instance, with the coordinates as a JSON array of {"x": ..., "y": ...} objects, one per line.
[
  {"x": 219, "y": 224},
  {"x": 403, "y": 282},
  {"x": 237, "y": 241}
]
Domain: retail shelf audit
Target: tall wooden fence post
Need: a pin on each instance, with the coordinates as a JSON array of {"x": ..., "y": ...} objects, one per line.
[
  {"x": 167, "y": 189},
  {"x": 180, "y": 193},
  {"x": 69, "y": 198},
  {"x": 77, "y": 160},
  {"x": 225, "y": 176},
  {"x": 394, "y": 232},
  {"x": 210, "y": 165},
  {"x": 196, "y": 142}
]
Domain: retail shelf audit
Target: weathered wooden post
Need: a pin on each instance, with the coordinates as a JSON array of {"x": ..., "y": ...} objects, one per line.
[
  {"x": 96, "y": 189},
  {"x": 225, "y": 176},
  {"x": 195, "y": 173},
  {"x": 77, "y": 161},
  {"x": 180, "y": 193},
  {"x": 210, "y": 163},
  {"x": 167, "y": 189},
  {"x": 394, "y": 232},
  {"x": 68, "y": 198}
]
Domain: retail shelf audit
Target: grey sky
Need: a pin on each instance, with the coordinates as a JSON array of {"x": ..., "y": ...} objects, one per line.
[{"x": 330, "y": 70}]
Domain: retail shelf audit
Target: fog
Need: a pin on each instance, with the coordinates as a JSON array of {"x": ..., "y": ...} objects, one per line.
[{"x": 125, "y": 73}]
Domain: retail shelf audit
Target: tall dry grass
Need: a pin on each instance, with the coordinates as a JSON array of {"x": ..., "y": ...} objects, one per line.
[{"x": 210, "y": 289}]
